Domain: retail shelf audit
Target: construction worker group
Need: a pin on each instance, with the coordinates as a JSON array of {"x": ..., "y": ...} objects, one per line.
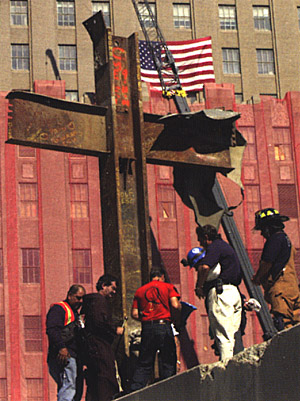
[{"x": 81, "y": 331}]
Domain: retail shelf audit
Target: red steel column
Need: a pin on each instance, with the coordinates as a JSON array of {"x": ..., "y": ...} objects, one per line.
[
  {"x": 54, "y": 89},
  {"x": 13, "y": 270}
]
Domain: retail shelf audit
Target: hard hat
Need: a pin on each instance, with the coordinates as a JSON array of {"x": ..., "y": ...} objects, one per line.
[
  {"x": 195, "y": 255},
  {"x": 268, "y": 216}
]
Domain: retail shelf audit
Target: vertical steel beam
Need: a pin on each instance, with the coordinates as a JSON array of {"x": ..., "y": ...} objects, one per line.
[{"x": 124, "y": 202}]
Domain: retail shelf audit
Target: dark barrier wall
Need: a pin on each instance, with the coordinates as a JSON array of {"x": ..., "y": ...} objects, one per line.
[{"x": 264, "y": 372}]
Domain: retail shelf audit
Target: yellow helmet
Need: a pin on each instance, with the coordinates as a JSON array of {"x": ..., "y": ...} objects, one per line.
[{"x": 268, "y": 216}]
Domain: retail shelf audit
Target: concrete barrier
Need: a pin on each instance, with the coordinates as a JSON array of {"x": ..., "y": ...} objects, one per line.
[{"x": 265, "y": 372}]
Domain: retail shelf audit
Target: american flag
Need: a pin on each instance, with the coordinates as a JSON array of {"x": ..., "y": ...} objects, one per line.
[{"x": 193, "y": 59}]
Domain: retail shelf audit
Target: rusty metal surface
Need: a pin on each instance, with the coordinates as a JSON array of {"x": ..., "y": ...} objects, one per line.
[
  {"x": 201, "y": 138},
  {"x": 45, "y": 122},
  {"x": 95, "y": 25},
  {"x": 206, "y": 114},
  {"x": 219, "y": 160},
  {"x": 121, "y": 67},
  {"x": 123, "y": 103},
  {"x": 140, "y": 165}
]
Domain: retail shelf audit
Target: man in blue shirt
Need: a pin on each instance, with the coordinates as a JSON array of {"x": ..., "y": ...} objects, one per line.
[{"x": 222, "y": 296}]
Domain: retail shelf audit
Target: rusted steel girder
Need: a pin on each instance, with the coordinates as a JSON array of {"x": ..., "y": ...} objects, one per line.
[
  {"x": 201, "y": 138},
  {"x": 195, "y": 138},
  {"x": 45, "y": 122}
]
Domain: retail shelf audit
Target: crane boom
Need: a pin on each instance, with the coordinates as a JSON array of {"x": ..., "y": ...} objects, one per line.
[{"x": 161, "y": 56}]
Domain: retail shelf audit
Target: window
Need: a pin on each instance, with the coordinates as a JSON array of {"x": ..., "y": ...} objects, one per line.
[
  {"x": 79, "y": 200},
  {"x": 3, "y": 389},
  {"x": 19, "y": 57},
  {"x": 192, "y": 97},
  {"x": 28, "y": 200},
  {"x": 76, "y": 156},
  {"x": 167, "y": 202},
  {"x": 282, "y": 144},
  {"x": 261, "y": 16},
  {"x": 2, "y": 333},
  {"x": 72, "y": 96},
  {"x": 89, "y": 97},
  {"x": 31, "y": 265},
  {"x": 282, "y": 152},
  {"x": 238, "y": 98},
  {"x": 253, "y": 200},
  {"x": 265, "y": 61},
  {"x": 298, "y": 10},
  {"x": 250, "y": 150},
  {"x": 227, "y": 17},
  {"x": 231, "y": 61},
  {"x": 82, "y": 267},
  {"x": 35, "y": 390},
  {"x": 274, "y": 95},
  {"x": 33, "y": 333},
  {"x": 104, "y": 7},
  {"x": 78, "y": 170},
  {"x": 67, "y": 58},
  {"x": 287, "y": 198},
  {"x": 145, "y": 14},
  {"x": 253, "y": 203},
  {"x": 65, "y": 13},
  {"x": 182, "y": 16},
  {"x": 170, "y": 258},
  {"x": 18, "y": 12},
  {"x": 26, "y": 151}
]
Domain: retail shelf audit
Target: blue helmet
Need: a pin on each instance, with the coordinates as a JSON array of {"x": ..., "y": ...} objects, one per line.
[{"x": 195, "y": 255}]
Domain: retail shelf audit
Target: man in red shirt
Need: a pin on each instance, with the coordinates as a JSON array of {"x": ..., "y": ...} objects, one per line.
[{"x": 156, "y": 305}]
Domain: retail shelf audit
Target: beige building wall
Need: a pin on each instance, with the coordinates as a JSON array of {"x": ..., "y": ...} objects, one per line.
[{"x": 43, "y": 32}]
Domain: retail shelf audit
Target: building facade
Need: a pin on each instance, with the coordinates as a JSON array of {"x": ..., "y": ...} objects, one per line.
[
  {"x": 255, "y": 43},
  {"x": 50, "y": 228}
]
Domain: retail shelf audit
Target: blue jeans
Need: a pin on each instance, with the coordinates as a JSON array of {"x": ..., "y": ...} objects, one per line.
[
  {"x": 155, "y": 336},
  {"x": 65, "y": 378}
]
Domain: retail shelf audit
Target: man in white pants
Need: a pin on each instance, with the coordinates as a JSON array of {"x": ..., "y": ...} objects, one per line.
[{"x": 223, "y": 299}]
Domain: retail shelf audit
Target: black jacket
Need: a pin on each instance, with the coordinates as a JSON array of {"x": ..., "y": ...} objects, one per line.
[
  {"x": 98, "y": 317},
  {"x": 54, "y": 327}
]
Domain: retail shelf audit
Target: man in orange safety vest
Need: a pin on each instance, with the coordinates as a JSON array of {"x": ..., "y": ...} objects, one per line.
[{"x": 62, "y": 320}]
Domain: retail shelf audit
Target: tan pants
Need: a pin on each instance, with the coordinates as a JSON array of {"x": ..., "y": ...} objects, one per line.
[{"x": 284, "y": 295}]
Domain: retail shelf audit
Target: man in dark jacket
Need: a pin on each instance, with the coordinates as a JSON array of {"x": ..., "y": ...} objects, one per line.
[
  {"x": 61, "y": 323},
  {"x": 102, "y": 383},
  {"x": 276, "y": 272},
  {"x": 223, "y": 299}
]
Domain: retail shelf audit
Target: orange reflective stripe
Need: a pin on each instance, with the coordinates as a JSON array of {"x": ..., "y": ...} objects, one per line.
[{"x": 69, "y": 314}]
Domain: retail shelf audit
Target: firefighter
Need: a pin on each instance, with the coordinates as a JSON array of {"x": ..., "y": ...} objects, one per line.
[{"x": 276, "y": 272}]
